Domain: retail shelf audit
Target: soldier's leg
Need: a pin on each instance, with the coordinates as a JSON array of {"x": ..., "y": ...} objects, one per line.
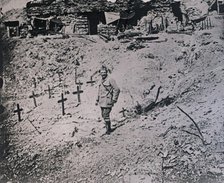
[{"x": 106, "y": 117}]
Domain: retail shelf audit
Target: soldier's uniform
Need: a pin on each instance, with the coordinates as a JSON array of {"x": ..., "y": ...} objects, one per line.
[{"x": 107, "y": 95}]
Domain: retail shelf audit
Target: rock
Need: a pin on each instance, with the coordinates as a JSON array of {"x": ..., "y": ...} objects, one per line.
[
  {"x": 150, "y": 55},
  {"x": 34, "y": 156},
  {"x": 74, "y": 131},
  {"x": 203, "y": 149},
  {"x": 135, "y": 46},
  {"x": 188, "y": 150},
  {"x": 116, "y": 47},
  {"x": 221, "y": 165},
  {"x": 215, "y": 171},
  {"x": 113, "y": 173},
  {"x": 138, "y": 109},
  {"x": 176, "y": 142},
  {"x": 165, "y": 153},
  {"x": 78, "y": 144}
]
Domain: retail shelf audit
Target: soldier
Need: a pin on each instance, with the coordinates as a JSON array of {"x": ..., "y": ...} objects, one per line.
[{"x": 107, "y": 96}]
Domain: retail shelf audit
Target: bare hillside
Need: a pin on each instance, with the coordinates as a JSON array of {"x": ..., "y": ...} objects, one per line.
[{"x": 159, "y": 145}]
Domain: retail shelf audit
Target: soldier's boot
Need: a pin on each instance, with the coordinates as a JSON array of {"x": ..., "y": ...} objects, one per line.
[{"x": 108, "y": 127}]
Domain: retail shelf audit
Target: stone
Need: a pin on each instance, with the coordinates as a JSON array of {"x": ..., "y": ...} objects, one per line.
[{"x": 220, "y": 147}]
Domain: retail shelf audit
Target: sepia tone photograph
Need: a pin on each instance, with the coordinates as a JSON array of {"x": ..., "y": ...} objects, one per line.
[{"x": 111, "y": 91}]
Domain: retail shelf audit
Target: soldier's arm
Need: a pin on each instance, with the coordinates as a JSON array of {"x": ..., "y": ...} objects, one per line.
[{"x": 116, "y": 90}]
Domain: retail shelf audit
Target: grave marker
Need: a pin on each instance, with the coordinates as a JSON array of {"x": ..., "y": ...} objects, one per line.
[
  {"x": 34, "y": 98},
  {"x": 18, "y": 111},
  {"x": 123, "y": 112},
  {"x": 49, "y": 91},
  {"x": 79, "y": 84},
  {"x": 78, "y": 92},
  {"x": 62, "y": 103},
  {"x": 91, "y": 81},
  {"x": 59, "y": 76}
]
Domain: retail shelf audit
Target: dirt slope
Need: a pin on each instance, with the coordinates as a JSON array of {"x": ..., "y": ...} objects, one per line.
[{"x": 162, "y": 145}]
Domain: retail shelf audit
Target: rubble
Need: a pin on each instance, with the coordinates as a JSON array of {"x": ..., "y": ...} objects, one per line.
[
  {"x": 135, "y": 46},
  {"x": 128, "y": 34}
]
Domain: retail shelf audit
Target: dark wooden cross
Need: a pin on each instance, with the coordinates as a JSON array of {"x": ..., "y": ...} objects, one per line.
[
  {"x": 18, "y": 111},
  {"x": 34, "y": 82},
  {"x": 49, "y": 91},
  {"x": 78, "y": 92},
  {"x": 91, "y": 81},
  {"x": 123, "y": 112},
  {"x": 62, "y": 101},
  {"x": 34, "y": 98}
]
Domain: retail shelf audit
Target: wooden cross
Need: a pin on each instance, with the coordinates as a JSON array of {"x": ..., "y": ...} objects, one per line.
[
  {"x": 62, "y": 101},
  {"x": 78, "y": 92},
  {"x": 34, "y": 98},
  {"x": 49, "y": 91},
  {"x": 59, "y": 76},
  {"x": 79, "y": 84},
  {"x": 91, "y": 81},
  {"x": 123, "y": 112},
  {"x": 18, "y": 111},
  {"x": 34, "y": 82}
]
